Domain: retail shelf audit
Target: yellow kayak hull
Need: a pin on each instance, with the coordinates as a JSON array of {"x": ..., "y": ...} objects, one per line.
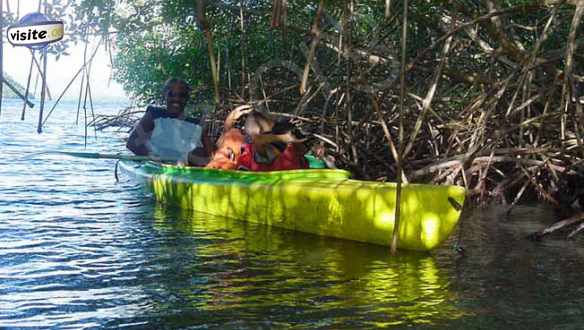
[{"x": 321, "y": 202}]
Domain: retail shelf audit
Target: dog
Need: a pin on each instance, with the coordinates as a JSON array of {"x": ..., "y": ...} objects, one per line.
[{"x": 266, "y": 145}]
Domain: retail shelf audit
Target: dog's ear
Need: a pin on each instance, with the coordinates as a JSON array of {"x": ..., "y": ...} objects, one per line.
[{"x": 258, "y": 123}]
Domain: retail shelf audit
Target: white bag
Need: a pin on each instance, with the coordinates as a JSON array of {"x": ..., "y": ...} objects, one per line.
[{"x": 172, "y": 139}]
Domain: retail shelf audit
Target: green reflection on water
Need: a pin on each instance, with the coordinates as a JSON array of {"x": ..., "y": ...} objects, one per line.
[{"x": 258, "y": 272}]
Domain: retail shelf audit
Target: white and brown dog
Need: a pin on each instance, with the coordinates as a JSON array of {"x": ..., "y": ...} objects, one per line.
[{"x": 267, "y": 136}]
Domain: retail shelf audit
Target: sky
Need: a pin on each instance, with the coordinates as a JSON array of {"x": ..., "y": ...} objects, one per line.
[{"x": 16, "y": 63}]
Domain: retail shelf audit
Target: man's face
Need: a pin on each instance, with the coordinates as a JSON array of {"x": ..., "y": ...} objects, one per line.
[{"x": 176, "y": 98}]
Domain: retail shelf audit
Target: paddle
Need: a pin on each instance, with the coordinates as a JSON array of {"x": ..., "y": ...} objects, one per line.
[{"x": 96, "y": 155}]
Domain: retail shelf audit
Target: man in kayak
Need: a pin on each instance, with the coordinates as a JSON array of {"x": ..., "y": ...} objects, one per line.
[{"x": 167, "y": 133}]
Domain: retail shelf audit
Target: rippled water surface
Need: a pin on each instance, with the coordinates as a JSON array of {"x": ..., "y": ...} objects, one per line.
[{"x": 78, "y": 250}]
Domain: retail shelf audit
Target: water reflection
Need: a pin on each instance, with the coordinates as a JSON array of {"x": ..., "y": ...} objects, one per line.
[{"x": 254, "y": 272}]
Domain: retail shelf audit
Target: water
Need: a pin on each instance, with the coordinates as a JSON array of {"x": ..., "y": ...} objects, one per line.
[{"x": 78, "y": 250}]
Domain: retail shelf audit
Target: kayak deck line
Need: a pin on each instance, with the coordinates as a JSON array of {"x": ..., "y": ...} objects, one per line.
[{"x": 323, "y": 202}]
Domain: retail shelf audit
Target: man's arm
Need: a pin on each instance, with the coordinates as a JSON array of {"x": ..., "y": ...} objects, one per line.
[{"x": 140, "y": 135}]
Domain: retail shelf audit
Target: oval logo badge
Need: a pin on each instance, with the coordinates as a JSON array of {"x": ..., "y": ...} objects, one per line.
[{"x": 35, "y": 31}]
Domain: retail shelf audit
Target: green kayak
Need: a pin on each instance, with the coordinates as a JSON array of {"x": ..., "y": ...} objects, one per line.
[{"x": 318, "y": 201}]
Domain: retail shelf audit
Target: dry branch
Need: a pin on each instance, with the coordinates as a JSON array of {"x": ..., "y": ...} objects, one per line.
[{"x": 557, "y": 226}]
